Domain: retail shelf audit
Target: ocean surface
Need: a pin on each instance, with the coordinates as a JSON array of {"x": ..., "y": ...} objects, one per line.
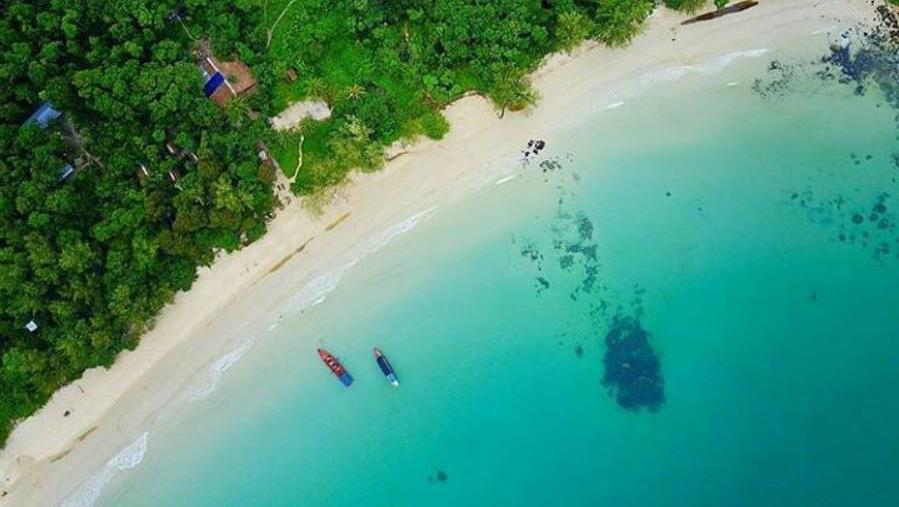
[{"x": 689, "y": 297}]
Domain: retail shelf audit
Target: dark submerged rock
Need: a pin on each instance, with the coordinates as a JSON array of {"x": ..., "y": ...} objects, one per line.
[
  {"x": 542, "y": 284},
  {"x": 584, "y": 227},
  {"x": 632, "y": 368},
  {"x": 550, "y": 165}
]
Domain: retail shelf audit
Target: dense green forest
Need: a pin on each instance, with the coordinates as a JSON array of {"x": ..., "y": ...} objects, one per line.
[{"x": 164, "y": 179}]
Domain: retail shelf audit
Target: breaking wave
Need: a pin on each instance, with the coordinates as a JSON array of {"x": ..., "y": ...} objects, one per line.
[
  {"x": 89, "y": 491},
  {"x": 205, "y": 386},
  {"x": 630, "y": 88},
  {"x": 712, "y": 66},
  {"x": 387, "y": 235},
  {"x": 317, "y": 289}
]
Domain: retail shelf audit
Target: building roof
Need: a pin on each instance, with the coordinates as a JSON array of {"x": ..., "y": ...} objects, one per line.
[
  {"x": 43, "y": 115},
  {"x": 223, "y": 80},
  {"x": 213, "y": 83},
  {"x": 238, "y": 74},
  {"x": 65, "y": 172}
]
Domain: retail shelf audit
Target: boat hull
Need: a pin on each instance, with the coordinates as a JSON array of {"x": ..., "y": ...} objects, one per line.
[
  {"x": 336, "y": 368},
  {"x": 386, "y": 368}
]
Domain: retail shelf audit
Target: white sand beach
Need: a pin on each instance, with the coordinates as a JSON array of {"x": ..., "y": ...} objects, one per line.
[{"x": 89, "y": 422}]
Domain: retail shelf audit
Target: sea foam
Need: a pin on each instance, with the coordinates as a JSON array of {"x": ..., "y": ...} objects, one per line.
[
  {"x": 387, "y": 235},
  {"x": 89, "y": 491},
  {"x": 708, "y": 67},
  {"x": 316, "y": 290},
  {"x": 619, "y": 95},
  {"x": 496, "y": 171},
  {"x": 206, "y": 385}
]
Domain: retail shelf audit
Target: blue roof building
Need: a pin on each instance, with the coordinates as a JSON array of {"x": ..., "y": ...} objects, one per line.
[
  {"x": 65, "y": 173},
  {"x": 43, "y": 115},
  {"x": 213, "y": 83}
]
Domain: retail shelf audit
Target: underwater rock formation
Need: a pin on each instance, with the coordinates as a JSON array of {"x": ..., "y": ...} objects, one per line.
[
  {"x": 439, "y": 476},
  {"x": 632, "y": 369},
  {"x": 867, "y": 222},
  {"x": 779, "y": 80}
]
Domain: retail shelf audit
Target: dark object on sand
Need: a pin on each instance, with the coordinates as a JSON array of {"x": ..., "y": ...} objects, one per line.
[
  {"x": 737, "y": 7},
  {"x": 534, "y": 147},
  {"x": 633, "y": 372}
]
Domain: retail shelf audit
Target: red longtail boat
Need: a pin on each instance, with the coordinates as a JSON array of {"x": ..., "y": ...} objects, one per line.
[{"x": 336, "y": 368}]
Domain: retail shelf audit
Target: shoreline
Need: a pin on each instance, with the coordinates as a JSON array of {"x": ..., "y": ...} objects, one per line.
[{"x": 50, "y": 454}]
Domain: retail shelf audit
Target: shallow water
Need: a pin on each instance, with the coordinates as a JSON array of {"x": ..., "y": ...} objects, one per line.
[{"x": 719, "y": 218}]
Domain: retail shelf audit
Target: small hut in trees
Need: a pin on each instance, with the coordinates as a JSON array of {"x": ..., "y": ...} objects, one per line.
[
  {"x": 180, "y": 153},
  {"x": 142, "y": 173},
  {"x": 43, "y": 115},
  {"x": 65, "y": 172},
  {"x": 223, "y": 80}
]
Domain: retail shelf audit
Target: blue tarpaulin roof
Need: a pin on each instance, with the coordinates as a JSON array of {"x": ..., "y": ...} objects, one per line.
[
  {"x": 214, "y": 82},
  {"x": 64, "y": 173},
  {"x": 44, "y": 115}
]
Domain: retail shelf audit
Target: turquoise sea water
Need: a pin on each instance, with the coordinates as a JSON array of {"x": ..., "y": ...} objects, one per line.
[{"x": 719, "y": 218}]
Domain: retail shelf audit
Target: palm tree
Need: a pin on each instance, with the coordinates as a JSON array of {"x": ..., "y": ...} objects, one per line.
[
  {"x": 72, "y": 348},
  {"x": 512, "y": 92},
  {"x": 618, "y": 21},
  {"x": 355, "y": 92},
  {"x": 316, "y": 87}
]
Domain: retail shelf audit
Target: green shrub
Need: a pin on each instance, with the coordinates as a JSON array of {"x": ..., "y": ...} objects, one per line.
[
  {"x": 618, "y": 21},
  {"x": 434, "y": 125}
]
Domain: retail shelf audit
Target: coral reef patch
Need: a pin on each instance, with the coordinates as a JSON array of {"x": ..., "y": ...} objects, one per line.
[{"x": 632, "y": 368}]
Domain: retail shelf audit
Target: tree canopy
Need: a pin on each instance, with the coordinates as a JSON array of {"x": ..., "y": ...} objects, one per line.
[{"x": 91, "y": 259}]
